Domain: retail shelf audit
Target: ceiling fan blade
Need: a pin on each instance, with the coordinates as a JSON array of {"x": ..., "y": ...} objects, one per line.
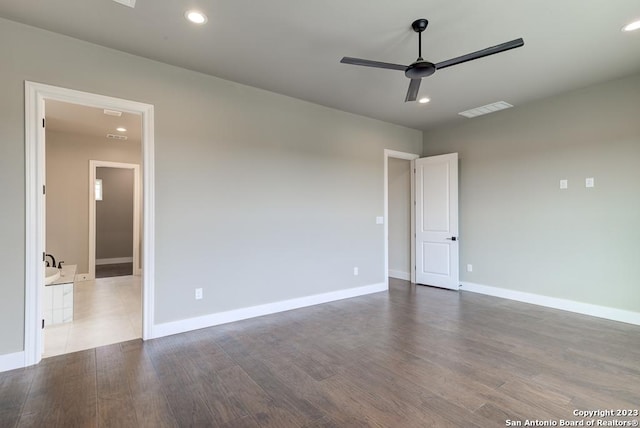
[
  {"x": 414, "y": 87},
  {"x": 481, "y": 53},
  {"x": 376, "y": 64}
]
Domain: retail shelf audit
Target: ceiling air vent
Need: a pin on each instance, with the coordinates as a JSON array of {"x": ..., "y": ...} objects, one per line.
[
  {"x": 117, "y": 137},
  {"x": 489, "y": 108},
  {"x": 115, "y": 113},
  {"x": 130, "y": 3}
]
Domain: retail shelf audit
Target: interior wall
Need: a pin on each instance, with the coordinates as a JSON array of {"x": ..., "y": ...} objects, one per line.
[
  {"x": 519, "y": 229},
  {"x": 114, "y": 214},
  {"x": 67, "y": 179},
  {"x": 399, "y": 185},
  {"x": 259, "y": 197}
]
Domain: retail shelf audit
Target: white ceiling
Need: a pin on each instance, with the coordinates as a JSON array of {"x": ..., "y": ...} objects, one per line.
[
  {"x": 294, "y": 47},
  {"x": 91, "y": 121}
]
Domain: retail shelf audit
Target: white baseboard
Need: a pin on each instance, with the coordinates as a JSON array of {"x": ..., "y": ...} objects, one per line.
[
  {"x": 556, "y": 303},
  {"x": 12, "y": 361},
  {"x": 181, "y": 326},
  {"x": 114, "y": 261},
  {"x": 398, "y": 274}
]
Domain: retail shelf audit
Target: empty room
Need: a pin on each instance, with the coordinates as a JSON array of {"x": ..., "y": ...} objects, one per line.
[{"x": 319, "y": 214}]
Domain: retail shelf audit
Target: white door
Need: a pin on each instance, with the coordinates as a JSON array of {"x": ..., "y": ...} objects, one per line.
[{"x": 436, "y": 185}]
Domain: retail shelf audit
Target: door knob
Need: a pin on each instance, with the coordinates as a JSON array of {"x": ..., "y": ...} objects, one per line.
[{"x": 453, "y": 238}]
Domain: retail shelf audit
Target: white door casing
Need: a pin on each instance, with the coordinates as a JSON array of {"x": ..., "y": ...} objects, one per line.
[
  {"x": 436, "y": 186},
  {"x": 93, "y": 164},
  {"x": 35, "y": 95},
  {"x": 411, "y": 157}
]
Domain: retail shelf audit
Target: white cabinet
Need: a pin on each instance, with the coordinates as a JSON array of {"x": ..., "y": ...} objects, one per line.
[{"x": 58, "y": 298}]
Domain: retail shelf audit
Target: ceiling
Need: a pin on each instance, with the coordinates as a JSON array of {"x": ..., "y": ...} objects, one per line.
[
  {"x": 294, "y": 47},
  {"x": 91, "y": 121}
]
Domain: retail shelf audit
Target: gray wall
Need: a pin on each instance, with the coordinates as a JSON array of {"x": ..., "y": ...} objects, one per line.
[
  {"x": 399, "y": 175},
  {"x": 68, "y": 158},
  {"x": 114, "y": 214},
  {"x": 259, "y": 197},
  {"x": 518, "y": 229}
]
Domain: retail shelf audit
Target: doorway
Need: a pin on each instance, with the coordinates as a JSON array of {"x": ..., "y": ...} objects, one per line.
[
  {"x": 35, "y": 96},
  {"x": 114, "y": 219},
  {"x": 396, "y": 208},
  {"x": 399, "y": 219}
]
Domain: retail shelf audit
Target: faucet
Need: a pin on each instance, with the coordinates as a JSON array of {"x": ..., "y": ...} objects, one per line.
[{"x": 53, "y": 260}]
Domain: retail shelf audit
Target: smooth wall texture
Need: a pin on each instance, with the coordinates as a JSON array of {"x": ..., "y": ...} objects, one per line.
[
  {"x": 259, "y": 197},
  {"x": 114, "y": 214},
  {"x": 67, "y": 170},
  {"x": 399, "y": 175},
  {"x": 519, "y": 229}
]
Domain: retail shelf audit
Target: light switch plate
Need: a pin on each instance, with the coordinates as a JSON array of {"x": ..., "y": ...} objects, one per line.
[
  {"x": 589, "y": 182},
  {"x": 564, "y": 184},
  {"x": 379, "y": 220}
]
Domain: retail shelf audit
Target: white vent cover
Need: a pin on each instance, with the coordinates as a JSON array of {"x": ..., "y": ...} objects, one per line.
[
  {"x": 489, "y": 108},
  {"x": 112, "y": 112},
  {"x": 117, "y": 137},
  {"x": 130, "y": 3}
]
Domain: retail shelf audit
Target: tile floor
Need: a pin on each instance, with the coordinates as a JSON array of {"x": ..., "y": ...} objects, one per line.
[{"x": 106, "y": 311}]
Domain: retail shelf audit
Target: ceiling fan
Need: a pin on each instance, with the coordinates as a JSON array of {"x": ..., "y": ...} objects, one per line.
[{"x": 421, "y": 68}]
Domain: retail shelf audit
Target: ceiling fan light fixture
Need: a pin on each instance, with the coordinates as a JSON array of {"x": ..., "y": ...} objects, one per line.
[
  {"x": 635, "y": 25},
  {"x": 196, "y": 17},
  {"x": 424, "y": 100}
]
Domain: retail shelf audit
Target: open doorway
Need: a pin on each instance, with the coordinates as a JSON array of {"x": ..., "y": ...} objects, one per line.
[
  {"x": 36, "y": 97},
  {"x": 87, "y": 224},
  {"x": 399, "y": 214},
  {"x": 114, "y": 219},
  {"x": 399, "y": 218}
]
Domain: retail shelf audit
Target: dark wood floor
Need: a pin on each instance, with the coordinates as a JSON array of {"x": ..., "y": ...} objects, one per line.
[
  {"x": 117, "y": 269},
  {"x": 413, "y": 357}
]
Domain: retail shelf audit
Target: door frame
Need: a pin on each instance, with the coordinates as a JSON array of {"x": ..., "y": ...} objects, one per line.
[
  {"x": 35, "y": 96},
  {"x": 93, "y": 165},
  {"x": 411, "y": 157}
]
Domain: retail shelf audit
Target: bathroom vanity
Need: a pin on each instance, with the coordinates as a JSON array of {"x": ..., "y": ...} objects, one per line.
[{"x": 57, "y": 303}]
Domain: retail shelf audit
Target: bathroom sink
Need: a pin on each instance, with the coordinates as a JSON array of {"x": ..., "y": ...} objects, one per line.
[{"x": 51, "y": 274}]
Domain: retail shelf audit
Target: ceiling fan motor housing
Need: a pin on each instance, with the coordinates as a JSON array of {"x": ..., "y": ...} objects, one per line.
[{"x": 420, "y": 69}]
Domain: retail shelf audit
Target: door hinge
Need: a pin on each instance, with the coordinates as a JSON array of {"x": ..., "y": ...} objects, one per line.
[
  {"x": 44, "y": 189},
  {"x": 43, "y": 323},
  {"x": 43, "y": 122},
  {"x": 44, "y": 257}
]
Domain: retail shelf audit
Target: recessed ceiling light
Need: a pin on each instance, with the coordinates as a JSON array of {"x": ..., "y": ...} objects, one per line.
[
  {"x": 195, "y": 16},
  {"x": 121, "y": 129},
  {"x": 635, "y": 25},
  {"x": 424, "y": 100}
]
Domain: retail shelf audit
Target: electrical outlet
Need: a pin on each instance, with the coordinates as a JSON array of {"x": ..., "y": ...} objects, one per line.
[
  {"x": 469, "y": 268},
  {"x": 198, "y": 293},
  {"x": 355, "y": 271},
  {"x": 82, "y": 277}
]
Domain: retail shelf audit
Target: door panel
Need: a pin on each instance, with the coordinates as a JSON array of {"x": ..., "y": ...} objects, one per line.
[{"x": 436, "y": 185}]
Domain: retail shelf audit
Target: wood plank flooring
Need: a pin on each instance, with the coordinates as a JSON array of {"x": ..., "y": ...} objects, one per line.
[{"x": 413, "y": 357}]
